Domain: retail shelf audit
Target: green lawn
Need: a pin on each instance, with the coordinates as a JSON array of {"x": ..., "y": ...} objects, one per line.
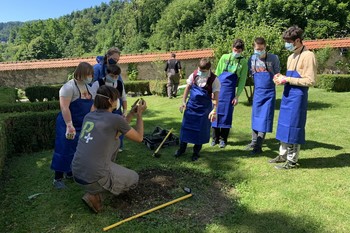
[{"x": 313, "y": 198}]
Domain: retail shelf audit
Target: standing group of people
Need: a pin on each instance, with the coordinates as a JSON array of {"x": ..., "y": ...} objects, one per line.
[
  {"x": 94, "y": 116},
  {"x": 213, "y": 97}
]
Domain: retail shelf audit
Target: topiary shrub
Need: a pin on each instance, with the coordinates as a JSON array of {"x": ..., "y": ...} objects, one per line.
[
  {"x": 334, "y": 82},
  {"x": 41, "y": 92},
  {"x": 142, "y": 87},
  {"x": 30, "y": 107}
]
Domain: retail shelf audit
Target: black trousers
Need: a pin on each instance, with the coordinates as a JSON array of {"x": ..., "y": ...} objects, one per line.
[
  {"x": 196, "y": 148},
  {"x": 257, "y": 139},
  {"x": 220, "y": 134}
]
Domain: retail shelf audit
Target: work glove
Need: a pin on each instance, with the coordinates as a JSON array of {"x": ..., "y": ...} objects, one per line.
[
  {"x": 70, "y": 131},
  {"x": 212, "y": 115}
]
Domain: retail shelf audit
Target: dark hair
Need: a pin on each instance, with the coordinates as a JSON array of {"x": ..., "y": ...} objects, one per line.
[
  {"x": 204, "y": 64},
  {"x": 83, "y": 70},
  {"x": 293, "y": 33},
  {"x": 238, "y": 44},
  {"x": 259, "y": 40},
  {"x": 110, "y": 52},
  {"x": 173, "y": 55},
  {"x": 113, "y": 69},
  {"x": 103, "y": 95}
]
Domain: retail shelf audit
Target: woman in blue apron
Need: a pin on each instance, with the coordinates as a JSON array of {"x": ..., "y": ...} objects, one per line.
[
  {"x": 292, "y": 118},
  {"x": 232, "y": 68},
  {"x": 199, "y": 110},
  {"x": 263, "y": 67},
  {"x": 75, "y": 102}
]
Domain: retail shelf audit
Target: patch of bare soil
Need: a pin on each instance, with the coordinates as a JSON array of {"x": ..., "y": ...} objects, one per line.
[{"x": 211, "y": 198}]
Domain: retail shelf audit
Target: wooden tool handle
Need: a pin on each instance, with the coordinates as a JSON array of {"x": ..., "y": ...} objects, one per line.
[{"x": 161, "y": 144}]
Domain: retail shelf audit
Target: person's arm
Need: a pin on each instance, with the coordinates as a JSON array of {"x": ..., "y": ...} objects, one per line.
[
  {"x": 242, "y": 78},
  {"x": 250, "y": 65},
  {"x": 184, "y": 97},
  {"x": 309, "y": 71},
  {"x": 67, "y": 117},
  {"x": 276, "y": 65},
  {"x": 220, "y": 66},
  {"x": 137, "y": 133},
  {"x": 179, "y": 68},
  {"x": 97, "y": 68}
]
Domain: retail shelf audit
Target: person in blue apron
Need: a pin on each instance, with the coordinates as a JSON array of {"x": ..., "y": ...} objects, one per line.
[
  {"x": 263, "y": 66},
  {"x": 75, "y": 102},
  {"x": 112, "y": 79},
  {"x": 232, "y": 68},
  {"x": 301, "y": 70},
  {"x": 200, "y": 109}
]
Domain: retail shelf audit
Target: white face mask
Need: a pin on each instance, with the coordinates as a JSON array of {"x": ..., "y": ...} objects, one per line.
[
  {"x": 87, "y": 80},
  {"x": 236, "y": 55}
]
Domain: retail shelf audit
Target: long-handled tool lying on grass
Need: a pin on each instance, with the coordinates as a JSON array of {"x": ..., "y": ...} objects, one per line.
[
  {"x": 187, "y": 190},
  {"x": 156, "y": 152}
]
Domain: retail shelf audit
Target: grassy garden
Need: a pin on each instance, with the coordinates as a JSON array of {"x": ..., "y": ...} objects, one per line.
[{"x": 233, "y": 191}]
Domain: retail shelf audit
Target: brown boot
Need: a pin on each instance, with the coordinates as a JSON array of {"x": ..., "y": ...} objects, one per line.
[{"x": 93, "y": 201}]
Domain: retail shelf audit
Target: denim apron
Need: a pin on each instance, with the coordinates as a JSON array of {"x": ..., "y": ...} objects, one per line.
[
  {"x": 64, "y": 148},
  {"x": 292, "y": 117}
]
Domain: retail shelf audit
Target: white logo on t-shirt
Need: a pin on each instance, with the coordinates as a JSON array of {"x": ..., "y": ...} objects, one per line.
[{"x": 88, "y": 138}]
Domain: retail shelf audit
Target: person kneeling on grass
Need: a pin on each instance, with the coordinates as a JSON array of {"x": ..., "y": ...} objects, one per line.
[
  {"x": 200, "y": 110},
  {"x": 98, "y": 145}
]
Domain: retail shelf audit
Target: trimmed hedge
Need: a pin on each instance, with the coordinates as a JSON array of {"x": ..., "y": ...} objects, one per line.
[
  {"x": 334, "y": 82},
  {"x": 142, "y": 87},
  {"x": 30, "y": 107},
  {"x": 29, "y": 132},
  {"x": 8, "y": 95},
  {"x": 158, "y": 87},
  {"x": 41, "y": 92}
]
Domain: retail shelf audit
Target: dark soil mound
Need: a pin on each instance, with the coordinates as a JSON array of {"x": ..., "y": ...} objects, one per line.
[{"x": 211, "y": 198}]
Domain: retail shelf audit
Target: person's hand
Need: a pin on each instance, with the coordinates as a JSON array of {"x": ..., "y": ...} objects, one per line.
[
  {"x": 279, "y": 79},
  {"x": 235, "y": 101},
  {"x": 134, "y": 106},
  {"x": 141, "y": 107},
  {"x": 182, "y": 107},
  {"x": 212, "y": 115},
  {"x": 70, "y": 131},
  {"x": 125, "y": 113}
]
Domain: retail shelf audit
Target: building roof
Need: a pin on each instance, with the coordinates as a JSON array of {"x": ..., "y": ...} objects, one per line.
[
  {"x": 150, "y": 57},
  {"x": 124, "y": 59}
]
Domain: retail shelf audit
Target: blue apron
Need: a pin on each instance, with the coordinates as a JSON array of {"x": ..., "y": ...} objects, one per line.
[
  {"x": 195, "y": 123},
  {"x": 64, "y": 148},
  {"x": 292, "y": 118},
  {"x": 225, "y": 107},
  {"x": 263, "y": 102}
]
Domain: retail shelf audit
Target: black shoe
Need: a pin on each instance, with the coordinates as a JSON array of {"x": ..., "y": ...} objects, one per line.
[
  {"x": 195, "y": 157},
  {"x": 178, "y": 153},
  {"x": 256, "y": 151}
]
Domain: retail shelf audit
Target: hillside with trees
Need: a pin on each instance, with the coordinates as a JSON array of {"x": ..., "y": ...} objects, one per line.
[{"x": 162, "y": 25}]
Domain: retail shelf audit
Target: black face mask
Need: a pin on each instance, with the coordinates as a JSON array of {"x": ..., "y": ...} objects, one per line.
[{"x": 111, "y": 61}]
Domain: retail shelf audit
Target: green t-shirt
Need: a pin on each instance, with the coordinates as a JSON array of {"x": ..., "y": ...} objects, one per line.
[{"x": 242, "y": 69}]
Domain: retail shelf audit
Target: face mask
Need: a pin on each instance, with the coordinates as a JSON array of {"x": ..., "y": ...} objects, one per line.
[
  {"x": 87, "y": 80},
  {"x": 259, "y": 53},
  {"x": 289, "y": 46},
  {"x": 110, "y": 79},
  {"x": 236, "y": 55},
  {"x": 202, "y": 74},
  {"x": 111, "y": 61}
]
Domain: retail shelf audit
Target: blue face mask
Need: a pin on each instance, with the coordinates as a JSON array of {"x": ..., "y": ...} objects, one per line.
[
  {"x": 236, "y": 55},
  {"x": 110, "y": 79},
  {"x": 202, "y": 74},
  {"x": 111, "y": 61},
  {"x": 87, "y": 80},
  {"x": 259, "y": 53},
  {"x": 289, "y": 46}
]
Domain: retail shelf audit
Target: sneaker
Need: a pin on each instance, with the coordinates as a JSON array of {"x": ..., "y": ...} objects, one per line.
[
  {"x": 93, "y": 201},
  {"x": 59, "y": 184},
  {"x": 256, "y": 151},
  {"x": 178, "y": 153},
  {"x": 278, "y": 159},
  {"x": 287, "y": 165},
  {"x": 249, "y": 146},
  {"x": 195, "y": 157},
  {"x": 213, "y": 143},
  {"x": 222, "y": 144}
]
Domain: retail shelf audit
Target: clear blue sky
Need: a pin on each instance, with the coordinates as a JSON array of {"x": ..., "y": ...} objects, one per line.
[{"x": 24, "y": 10}]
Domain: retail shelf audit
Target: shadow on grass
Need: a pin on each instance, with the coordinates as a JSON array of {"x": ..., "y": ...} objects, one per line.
[
  {"x": 312, "y": 105},
  {"x": 340, "y": 160}
]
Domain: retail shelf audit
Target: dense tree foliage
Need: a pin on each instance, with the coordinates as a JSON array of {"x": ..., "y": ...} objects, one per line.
[{"x": 150, "y": 25}]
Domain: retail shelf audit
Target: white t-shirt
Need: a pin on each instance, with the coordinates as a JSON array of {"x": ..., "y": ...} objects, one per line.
[
  {"x": 96, "y": 85},
  {"x": 201, "y": 82},
  {"x": 70, "y": 89}
]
